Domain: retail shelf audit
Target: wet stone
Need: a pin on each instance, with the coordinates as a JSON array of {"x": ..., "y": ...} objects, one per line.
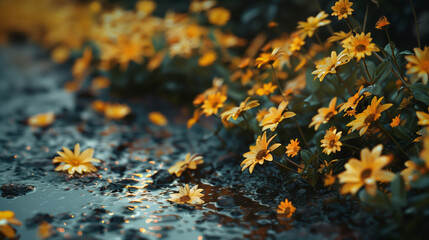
[
  {"x": 39, "y": 218},
  {"x": 94, "y": 228},
  {"x": 133, "y": 234},
  {"x": 117, "y": 219},
  {"x": 113, "y": 187},
  {"x": 161, "y": 178},
  {"x": 225, "y": 202},
  {"x": 15, "y": 189}
]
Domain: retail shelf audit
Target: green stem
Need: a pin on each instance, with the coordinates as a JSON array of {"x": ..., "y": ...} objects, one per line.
[
  {"x": 292, "y": 162},
  {"x": 350, "y": 25},
  {"x": 393, "y": 54},
  {"x": 284, "y": 166},
  {"x": 367, "y": 72},
  {"x": 416, "y": 23},
  {"x": 393, "y": 139},
  {"x": 284, "y": 98},
  {"x": 365, "y": 18},
  {"x": 345, "y": 85},
  {"x": 351, "y": 146}
]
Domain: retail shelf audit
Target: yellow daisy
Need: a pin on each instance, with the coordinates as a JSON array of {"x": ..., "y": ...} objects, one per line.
[
  {"x": 342, "y": 9},
  {"x": 77, "y": 161},
  {"x": 308, "y": 28},
  {"x": 7, "y": 218},
  {"x": 382, "y": 22},
  {"x": 293, "y": 148},
  {"x": 423, "y": 118},
  {"x": 418, "y": 65},
  {"x": 352, "y": 102},
  {"x": 187, "y": 195},
  {"x": 266, "y": 89},
  {"x": 268, "y": 58},
  {"x": 324, "y": 114},
  {"x": 190, "y": 162},
  {"x": 396, "y": 121},
  {"x": 340, "y": 36},
  {"x": 331, "y": 141},
  {"x": 275, "y": 116},
  {"x": 213, "y": 103},
  {"x": 329, "y": 64},
  {"x": 371, "y": 114},
  {"x": 236, "y": 112},
  {"x": 360, "y": 45},
  {"x": 365, "y": 172},
  {"x": 259, "y": 152},
  {"x": 286, "y": 208}
]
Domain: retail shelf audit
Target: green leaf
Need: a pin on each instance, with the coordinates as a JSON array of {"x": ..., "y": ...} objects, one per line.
[
  {"x": 312, "y": 85},
  {"x": 379, "y": 200},
  {"x": 382, "y": 71},
  {"x": 420, "y": 92},
  {"x": 397, "y": 188}
]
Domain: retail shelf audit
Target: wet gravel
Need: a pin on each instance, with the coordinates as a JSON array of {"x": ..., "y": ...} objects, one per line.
[{"x": 127, "y": 197}]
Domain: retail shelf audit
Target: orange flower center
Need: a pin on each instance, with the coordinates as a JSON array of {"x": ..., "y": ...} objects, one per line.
[
  {"x": 75, "y": 162},
  {"x": 332, "y": 143},
  {"x": 360, "y": 48},
  {"x": 329, "y": 115},
  {"x": 287, "y": 210},
  {"x": 366, "y": 173},
  {"x": 369, "y": 119},
  {"x": 261, "y": 154},
  {"x": 343, "y": 10},
  {"x": 185, "y": 198}
]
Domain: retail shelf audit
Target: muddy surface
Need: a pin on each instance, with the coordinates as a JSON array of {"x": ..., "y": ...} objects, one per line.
[{"x": 127, "y": 198}]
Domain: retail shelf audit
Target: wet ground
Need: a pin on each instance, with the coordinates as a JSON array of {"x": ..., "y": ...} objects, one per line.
[{"x": 127, "y": 198}]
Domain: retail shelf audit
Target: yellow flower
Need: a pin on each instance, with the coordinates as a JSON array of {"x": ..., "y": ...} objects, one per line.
[
  {"x": 423, "y": 118},
  {"x": 41, "y": 120},
  {"x": 342, "y": 9},
  {"x": 218, "y": 16},
  {"x": 297, "y": 43},
  {"x": 275, "y": 116},
  {"x": 308, "y": 28},
  {"x": 324, "y": 114},
  {"x": 360, "y": 45},
  {"x": 145, "y": 8},
  {"x": 212, "y": 103},
  {"x": 116, "y": 110},
  {"x": 371, "y": 114},
  {"x": 266, "y": 89},
  {"x": 100, "y": 83},
  {"x": 259, "y": 152},
  {"x": 196, "y": 116},
  {"x": 75, "y": 162},
  {"x": 99, "y": 106},
  {"x": 410, "y": 173},
  {"x": 293, "y": 148},
  {"x": 330, "y": 64},
  {"x": 365, "y": 172},
  {"x": 340, "y": 36},
  {"x": 418, "y": 65},
  {"x": 190, "y": 162},
  {"x": 60, "y": 54},
  {"x": 331, "y": 141},
  {"x": 203, "y": 5},
  {"x": 6, "y": 219},
  {"x": 286, "y": 208},
  {"x": 329, "y": 179},
  {"x": 207, "y": 59},
  {"x": 268, "y": 58},
  {"x": 396, "y": 121},
  {"x": 158, "y": 118},
  {"x": 382, "y": 22},
  {"x": 236, "y": 112},
  {"x": 45, "y": 230},
  {"x": 261, "y": 114},
  {"x": 350, "y": 113},
  {"x": 352, "y": 102},
  {"x": 187, "y": 195}
]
